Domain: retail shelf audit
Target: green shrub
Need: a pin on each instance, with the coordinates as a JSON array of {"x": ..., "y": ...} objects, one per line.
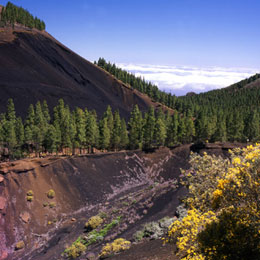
[
  {"x": 125, "y": 203},
  {"x": 115, "y": 211},
  {"x": 45, "y": 204},
  {"x": 138, "y": 235},
  {"x": 95, "y": 236},
  {"x": 103, "y": 215},
  {"x": 51, "y": 194}
]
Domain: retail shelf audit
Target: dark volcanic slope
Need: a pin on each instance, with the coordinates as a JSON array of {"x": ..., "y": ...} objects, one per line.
[
  {"x": 139, "y": 187},
  {"x": 34, "y": 66}
]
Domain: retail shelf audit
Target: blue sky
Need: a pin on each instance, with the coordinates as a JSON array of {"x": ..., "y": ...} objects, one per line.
[{"x": 198, "y": 34}]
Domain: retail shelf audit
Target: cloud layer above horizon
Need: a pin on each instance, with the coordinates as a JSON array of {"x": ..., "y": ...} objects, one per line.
[{"x": 182, "y": 79}]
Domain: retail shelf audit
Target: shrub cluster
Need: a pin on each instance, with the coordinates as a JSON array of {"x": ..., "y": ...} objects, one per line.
[
  {"x": 75, "y": 250},
  {"x": 51, "y": 194},
  {"x": 29, "y": 195},
  {"x": 93, "y": 222},
  {"x": 116, "y": 246},
  {"x": 153, "y": 230},
  {"x": 223, "y": 220}
]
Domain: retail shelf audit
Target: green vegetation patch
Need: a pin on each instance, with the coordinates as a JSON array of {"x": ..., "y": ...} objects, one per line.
[
  {"x": 81, "y": 244},
  {"x": 95, "y": 236}
]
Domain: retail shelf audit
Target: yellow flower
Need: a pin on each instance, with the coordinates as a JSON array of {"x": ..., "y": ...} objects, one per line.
[
  {"x": 217, "y": 193},
  {"x": 236, "y": 161}
]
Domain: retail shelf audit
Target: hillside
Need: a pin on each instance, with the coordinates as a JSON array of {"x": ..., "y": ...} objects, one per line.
[
  {"x": 35, "y": 66},
  {"x": 139, "y": 187}
]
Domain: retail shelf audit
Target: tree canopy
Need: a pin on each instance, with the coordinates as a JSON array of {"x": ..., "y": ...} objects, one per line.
[
  {"x": 12, "y": 14},
  {"x": 229, "y": 114}
]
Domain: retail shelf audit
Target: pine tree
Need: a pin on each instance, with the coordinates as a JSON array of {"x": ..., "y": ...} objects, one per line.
[
  {"x": 104, "y": 134},
  {"x": 10, "y": 136},
  {"x": 30, "y": 119},
  {"x": 46, "y": 113},
  {"x": 68, "y": 129},
  {"x": 135, "y": 129},
  {"x": 252, "y": 129},
  {"x": 202, "y": 126},
  {"x": 190, "y": 129},
  {"x": 160, "y": 132},
  {"x": 73, "y": 131},
  {"x": 56, "y": 124},
  {"x": 51, "y": 141},
  {"x": 149, "y": 127},
  {"x": 63, "y": 125},
  {"x": 221, "y": 132},
  {"x": 28, "y": 136},
  {"x": 92, "y": 131},
  {"x": 211, "y": 127},
  {"x": 110, "y": 120},
  {"x": 80, "y": 121},
  {"x": 10, "y": 115},
  {"x": 124, "y": 141},
  {"x": 182, "y": 131},
  {"x": 9, "y": 127},
  {"x": 172, "y": 130},
  {"x": 40, "y": 127},
  {"x": 238, "y": 126},
  {"x": 19, "y": 130},
  {"x": 115, "y": 139}
]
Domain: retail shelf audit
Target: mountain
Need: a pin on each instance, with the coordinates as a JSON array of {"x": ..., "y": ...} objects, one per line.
[{"x": 35, "y": 66}]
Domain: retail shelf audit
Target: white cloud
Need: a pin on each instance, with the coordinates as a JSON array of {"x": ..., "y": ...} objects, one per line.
[{"x": 182, "y": 79}]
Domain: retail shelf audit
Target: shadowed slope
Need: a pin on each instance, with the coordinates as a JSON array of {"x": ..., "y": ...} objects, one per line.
[{"x": 34, "y": 66}]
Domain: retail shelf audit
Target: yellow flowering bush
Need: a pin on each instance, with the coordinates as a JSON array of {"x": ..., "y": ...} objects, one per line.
[
  {"x": 224, "y": 201},
  {"x": 51, "y": 194},
  {"x": 116, "y": 246},
  {"x": 202, "y": 178},
  {"x": 94, "y": 222},
  {"x": 184, "y": 233},
  {"x": 75, "y": 250}
]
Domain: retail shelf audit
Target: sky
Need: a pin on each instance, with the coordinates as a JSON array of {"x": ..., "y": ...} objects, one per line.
[{"x": 181, "y": 45}]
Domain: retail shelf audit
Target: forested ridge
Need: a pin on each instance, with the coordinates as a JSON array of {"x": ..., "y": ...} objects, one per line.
[
  {"x": 229, "y": 114},
  {"x": 66, "y": 131},
  {"x": 12, "y": 14}
]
